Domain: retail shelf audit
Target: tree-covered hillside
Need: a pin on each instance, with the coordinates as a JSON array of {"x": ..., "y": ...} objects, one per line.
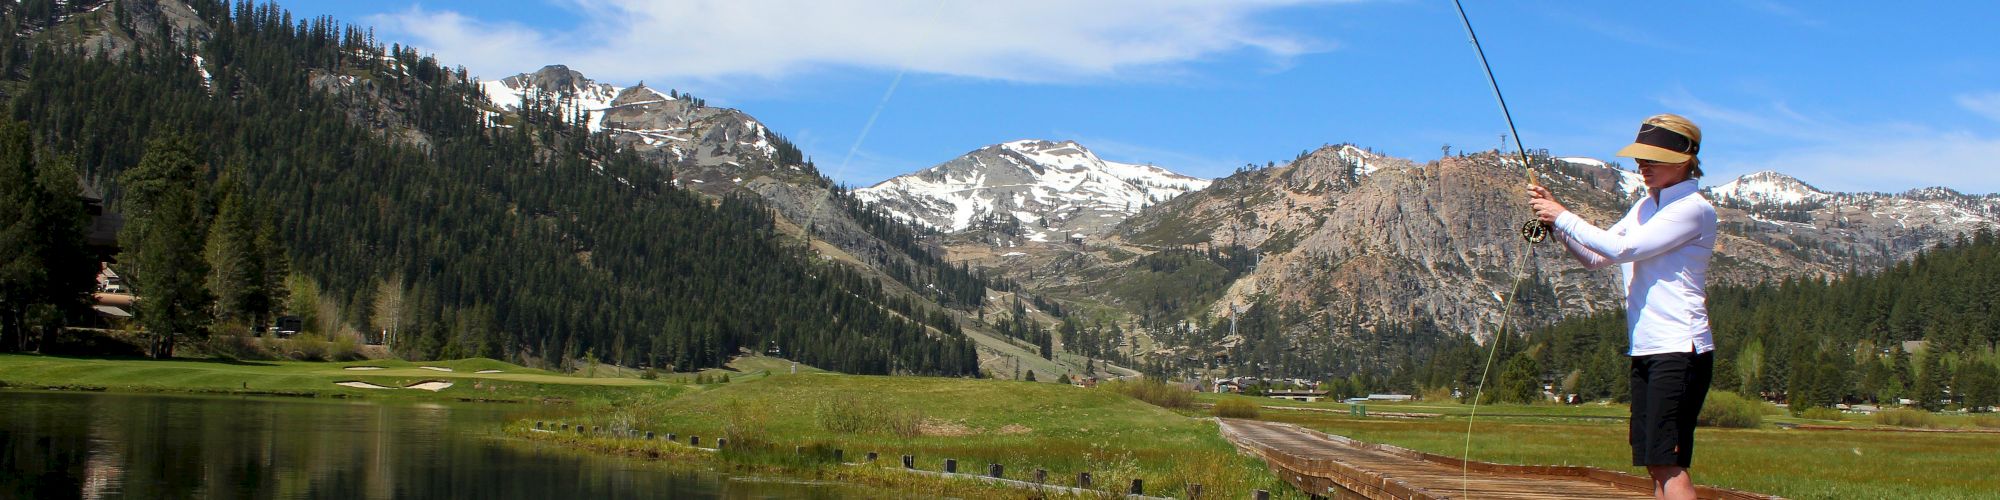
[
  {"x": 417, "y": 214},
  {"x": 1809, "y": 342}
]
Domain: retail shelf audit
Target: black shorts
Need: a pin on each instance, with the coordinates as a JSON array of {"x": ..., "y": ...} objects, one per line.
[{"x": 1667, "y": 392}]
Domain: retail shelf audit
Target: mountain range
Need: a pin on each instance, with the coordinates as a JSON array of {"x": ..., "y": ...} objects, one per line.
[
  {"x": 1339, "y": 254},
  {"x": 1342, "y": 237},
  {"x": 1056, "y": 190}
]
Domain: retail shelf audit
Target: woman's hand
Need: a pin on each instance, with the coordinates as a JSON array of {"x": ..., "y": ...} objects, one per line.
[{"x": 1546, "y": 207}]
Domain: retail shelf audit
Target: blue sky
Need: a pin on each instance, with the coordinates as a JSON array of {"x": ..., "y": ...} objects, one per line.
[{"x": 1849, "y": 96}]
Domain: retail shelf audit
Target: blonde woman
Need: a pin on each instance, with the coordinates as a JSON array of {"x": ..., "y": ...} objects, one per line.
[{"x": 1662, "y": 248}]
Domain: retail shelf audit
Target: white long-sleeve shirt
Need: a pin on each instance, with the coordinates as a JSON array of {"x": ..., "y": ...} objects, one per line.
[{"x": 1662, "y": 247}]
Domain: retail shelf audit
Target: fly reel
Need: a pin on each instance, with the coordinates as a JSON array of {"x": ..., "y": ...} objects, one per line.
[{"x": 1535, "y": 231}]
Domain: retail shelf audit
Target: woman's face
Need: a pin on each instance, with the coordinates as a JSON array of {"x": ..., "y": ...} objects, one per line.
[{"x": 1661, "y": 175}]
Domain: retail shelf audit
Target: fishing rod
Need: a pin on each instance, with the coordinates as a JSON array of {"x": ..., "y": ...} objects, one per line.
[{"x": 1534, "y": 231}]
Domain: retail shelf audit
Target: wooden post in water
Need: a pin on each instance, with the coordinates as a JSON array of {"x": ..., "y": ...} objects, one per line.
[
  {"x": 1041, "y": 476},
  {"x": 993, "y": 470},
  {"x": 1138, "y": 486},
  {"x": 694, "y": 440},
  {"x": 909, "y": 462},
  {"x": 721, "y": 443},
  {"x": 838, "y": 455},
  {"x": 673, "y": 437},
  {"x": 649, "y": 435},
  {"x": 951, "y": 466},
  {"x": 1083, "y": 480},
  {"x": 538, "y": 424},
  {"x": 871, "y": 457},
  {"x": 1261, "y": 495}
]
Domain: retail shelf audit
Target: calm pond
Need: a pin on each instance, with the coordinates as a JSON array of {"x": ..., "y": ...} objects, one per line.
[{"x": 97, "y": 445}]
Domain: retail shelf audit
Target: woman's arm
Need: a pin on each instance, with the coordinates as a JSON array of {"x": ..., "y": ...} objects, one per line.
[
  {"x": 1674, "y": 226},
  {"x": 1547, "y": 209},
  {"x": 1589, "y": 258}
]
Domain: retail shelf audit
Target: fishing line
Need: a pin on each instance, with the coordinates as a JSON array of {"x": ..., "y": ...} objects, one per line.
[
  {"x": 1533, "y": 231},
  {"x": 812, "y": 216}
]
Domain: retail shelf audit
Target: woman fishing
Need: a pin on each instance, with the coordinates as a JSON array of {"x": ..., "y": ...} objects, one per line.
[{"x": 1662, "y": 247}]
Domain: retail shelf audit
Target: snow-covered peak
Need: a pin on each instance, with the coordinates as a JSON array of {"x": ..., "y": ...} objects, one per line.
[
  {"x": 560, "y": 87},
  {"x": 1050, "y": 187},
  {"x": 555, "y": 82},
  {"x": 1767, "y": 187}
]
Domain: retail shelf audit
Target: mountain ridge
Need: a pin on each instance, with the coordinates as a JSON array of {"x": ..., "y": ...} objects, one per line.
[{"x": 1052, "y": 189}]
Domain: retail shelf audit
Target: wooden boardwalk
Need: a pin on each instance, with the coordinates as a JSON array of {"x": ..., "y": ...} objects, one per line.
[{"x": 1332, "y": 466}]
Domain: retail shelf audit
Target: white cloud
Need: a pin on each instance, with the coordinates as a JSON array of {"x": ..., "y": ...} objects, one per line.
[
  {"x": 1840, "y": 155},
  {"x": 1026, "y": 40},
  {"x": 1987, "y": 104}
]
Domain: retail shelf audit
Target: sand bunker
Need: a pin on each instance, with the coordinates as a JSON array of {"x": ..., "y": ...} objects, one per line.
[
  {"x": 487, "y": 371},
  {"x": 428, "y": 385},
  {"x": 364, "y": 367},
  {"x": 435, "y": 368},
  {"x": 431, "y": 385}
]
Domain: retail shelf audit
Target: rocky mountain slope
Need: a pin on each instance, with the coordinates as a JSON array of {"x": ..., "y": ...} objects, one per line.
[
  {"x": 1831, "y": 232},
  {"x": 1344, "y": 240},
  {"x": 705, "y": 145},
  {"x": 1050, "y": 190}
]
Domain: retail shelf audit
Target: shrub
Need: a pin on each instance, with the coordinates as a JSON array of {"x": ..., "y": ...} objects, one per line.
[
  {"x": 1905, "y": 417},
  {"x": 308, "y": 347},
  {"x": 650, "y": 374},
  {"x": 1153, "y": 391},
  {"x": 1726, "y": 409},
  {"x": 746, "y": 425},
  {"x": 1236, "y": 408},
  {"x": 235, "y": 347},
  {"x": 1820, "y": 413},
  {"x": 343, "y": 348}
]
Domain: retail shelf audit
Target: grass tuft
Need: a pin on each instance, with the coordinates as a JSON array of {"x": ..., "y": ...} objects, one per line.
[
  {"x": 1906, "y": 417},
  {"x": 851, "y": 416},
  {"x": 1821, "y": 413},
  {"x": 1153, "y": 391},
  {"x": 1236, "y": 408},
  {"x": 1726, "y": 409}
]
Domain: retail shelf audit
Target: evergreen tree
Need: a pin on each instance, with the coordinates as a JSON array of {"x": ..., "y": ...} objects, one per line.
[
  {"x": 236, "y": 276},
  {"x": 163, "y": 238},
  {"x": 42, "y": 255},
  {"x": 1929, "y": 390}
]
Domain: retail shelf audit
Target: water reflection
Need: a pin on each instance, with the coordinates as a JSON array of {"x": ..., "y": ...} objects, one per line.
[{"x": 80, "y": 445}]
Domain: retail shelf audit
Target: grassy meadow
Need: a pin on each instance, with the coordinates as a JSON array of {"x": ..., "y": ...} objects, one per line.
[{"x": 1021, "y": 425}]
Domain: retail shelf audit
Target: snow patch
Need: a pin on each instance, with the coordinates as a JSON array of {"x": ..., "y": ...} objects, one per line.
[
  {"x": 1768, "y": 187},
  {"x": 1029, "y": 180}
]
